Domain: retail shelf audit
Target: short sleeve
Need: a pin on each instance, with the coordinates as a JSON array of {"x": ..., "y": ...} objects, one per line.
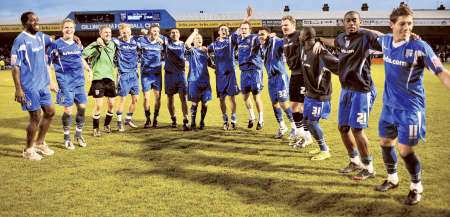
[
  {"x": 432, "y": 62},
  {"x": 211, "y": 48},
  {"x": 336, "y": 43},
  {"x": 279, "y": 46},
  {"x": 18, "y": 52},
  {"x": 373, "y": 40},
  {"x": 234, "y": 38},
  {"x": 52, "y": 52},
  {"x": 188, "y": 51},
  {"x": 138, "y": 42},
  {"x": 116, "y": 41},
  {"x": 256, "y": 42},
  {"x": 330, "y": 61},
  {"x": 48, "y": 40}
]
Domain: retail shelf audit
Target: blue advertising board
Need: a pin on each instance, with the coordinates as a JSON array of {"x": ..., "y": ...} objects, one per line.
[{"x": 138, "y": 19}]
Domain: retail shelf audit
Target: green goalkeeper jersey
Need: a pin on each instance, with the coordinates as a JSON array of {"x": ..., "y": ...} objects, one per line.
[{"x": 102, "y": 59}]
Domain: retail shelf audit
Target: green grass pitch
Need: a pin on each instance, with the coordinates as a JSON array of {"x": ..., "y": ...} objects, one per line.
[{"x": 167, "y": 172}]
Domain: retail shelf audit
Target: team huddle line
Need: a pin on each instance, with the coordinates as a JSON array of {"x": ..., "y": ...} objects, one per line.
[{"x": 303, "y": 97}]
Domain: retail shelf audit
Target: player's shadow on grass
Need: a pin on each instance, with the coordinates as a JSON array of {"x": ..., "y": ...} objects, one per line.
[
  {"x": 296, "y": 194},
  {"x": 21, "y": 123},
  {"x": 177, "y": 155},
  {"x": 9, "y": 144}
]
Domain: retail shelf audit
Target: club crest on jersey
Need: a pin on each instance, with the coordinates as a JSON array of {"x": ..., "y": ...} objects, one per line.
[{"x": 409, "y": 52}]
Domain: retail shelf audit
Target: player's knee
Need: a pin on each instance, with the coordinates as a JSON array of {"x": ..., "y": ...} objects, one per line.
[
  {"x": 81, "y": 106},
  {"x": 67, "y": 110},
  {"x": 405, "y": 150},
  {"x": 312, "y": 124},
  {"x": 81, "y": 111},
  {"x": 356, "y": 131},
  {"x": 49, "y": 113},
  {"x": 35, "y": 117},
  {"x": 134, "y": 100},
  {"x": 110, "y": 106},
  {"x": 157, "y": 97},
  {"x": 344, "y": 129},
  {"x": 386, "y": 142}
]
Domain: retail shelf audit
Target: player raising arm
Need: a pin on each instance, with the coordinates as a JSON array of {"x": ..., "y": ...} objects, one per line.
[
  {"x": 250, "y": 64},
  {"x": 199, "y": 87}
]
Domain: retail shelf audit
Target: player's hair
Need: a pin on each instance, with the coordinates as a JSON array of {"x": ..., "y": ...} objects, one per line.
[
  {"x": 174, "y": 29},
  {"x": 102, "y": 27},
  {"x": 24, "y": 17},
  {"x": 352, "y": 12},
  {"x": 290, "y": 18},
  {"x": 220, "y": 26},
  {"x": 402, "y": 10},
  {"x": 154, "y": 25},
  {"x": 246, "y": 22},
  {"x": 123, "y": 26},
  {"x": 265, "y": 29},
  {"x": 67, "y": 20},
  {"x": 310, "y": 33}
]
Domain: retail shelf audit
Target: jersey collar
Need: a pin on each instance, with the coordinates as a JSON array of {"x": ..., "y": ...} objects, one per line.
[
  {"x": 400, "y": 43},
  {"x": 30, "y": 35}
]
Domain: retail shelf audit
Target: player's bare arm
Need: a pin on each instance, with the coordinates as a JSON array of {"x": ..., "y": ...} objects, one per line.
[
  {"x": 190, "y": 39},
  {"x": 249, "y": 13},
  {"x": 88, "y": 69},
  {"x": 19, "y": 96},
  {"x": 444, "y": 76}
]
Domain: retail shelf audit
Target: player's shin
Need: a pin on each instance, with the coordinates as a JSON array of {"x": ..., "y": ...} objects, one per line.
[
  {"x": 96, "y": 121},
  {"x": 298, "y": 119},
  {"x": 279, "y": 116},
  {"x": 203, "y": 115},
  {"x": 390, "y": 162},
  {"x": 413, "y": 166},
  {"x": 119, "y": 121},
  {"x": 317, "y": 133},
  {"x": 80, "y": 120},
  {"x": 194, "y": 107},
  {"x": 66, "y": 119}
]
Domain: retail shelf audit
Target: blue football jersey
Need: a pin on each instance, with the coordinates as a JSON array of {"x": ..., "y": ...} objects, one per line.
[
  {"x": 175, "y": 61},
  {"x": 223, "y": 56},
  {"x": 150, "y": 55},
  {"x": 68, "y": 63},
  {"x": 272, "y": 53},
  {"x": 28, "y": 53},
  {"x": 198, "y": 65},
  {"x": 249, "y": 54},
  {"x": 404, "y": 67},
  {"x": 127, "y": 55}
]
